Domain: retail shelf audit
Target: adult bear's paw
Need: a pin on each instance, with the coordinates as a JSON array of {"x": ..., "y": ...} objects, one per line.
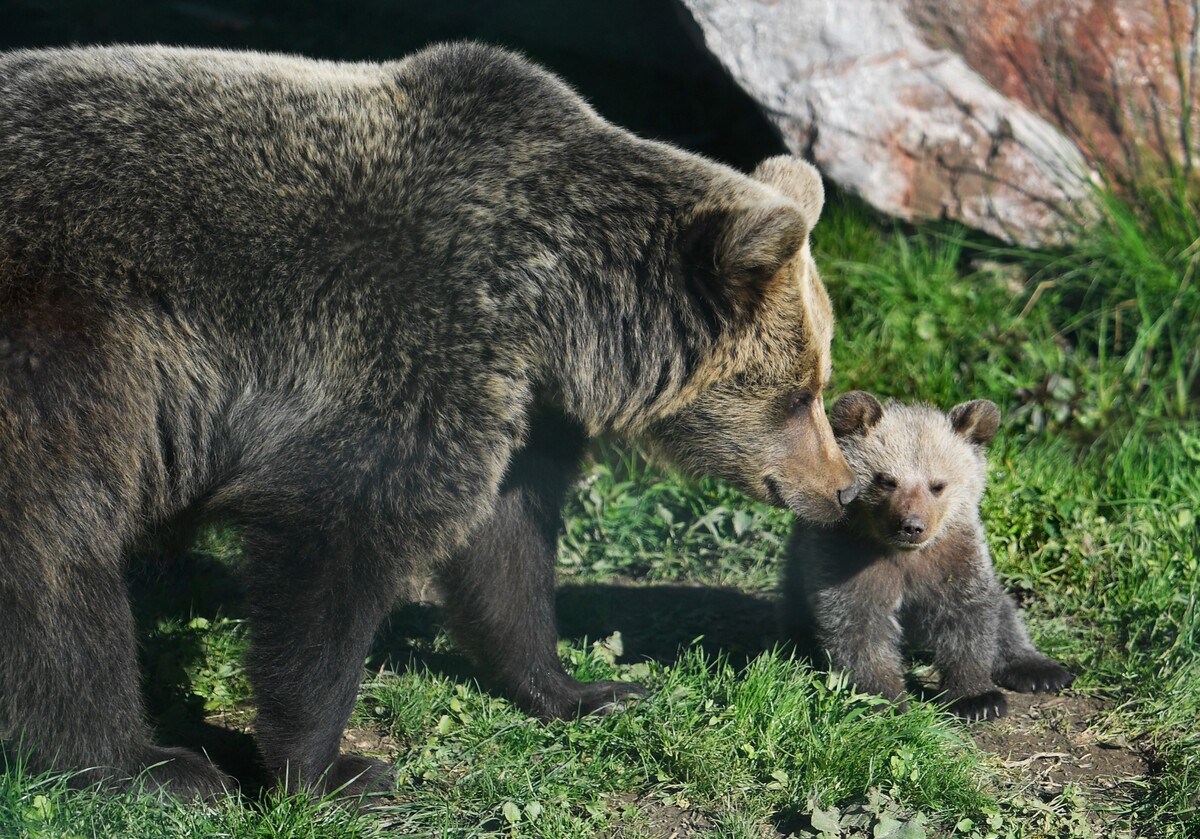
[
  {"x": 356, "y": 776},
  {"x": 579, "y": 699},
  {"x": 183, "y": 774}
]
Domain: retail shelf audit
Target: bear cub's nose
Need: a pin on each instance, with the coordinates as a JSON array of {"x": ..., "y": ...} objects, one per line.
[{"x": 912, "y": 527}]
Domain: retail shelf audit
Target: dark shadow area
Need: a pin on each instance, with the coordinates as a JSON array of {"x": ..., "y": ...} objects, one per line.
[
  {"x": 177, "y": 588},
  {"x": 409, "y": 638},
  {"x": 655, "y": 621},
  {"x": 174, "y": 586}
]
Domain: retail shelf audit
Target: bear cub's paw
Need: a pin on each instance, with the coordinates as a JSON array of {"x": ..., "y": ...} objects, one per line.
[
  {"x": 356, "y": 776},
  {"x": 985, "y": 706},
  {"x": 1034, "y": 675}
]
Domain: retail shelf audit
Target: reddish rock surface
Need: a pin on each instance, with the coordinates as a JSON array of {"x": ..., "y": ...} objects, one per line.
[
  {"x": 911, "y": 128},
  {"x": 1111, "y": 74}
]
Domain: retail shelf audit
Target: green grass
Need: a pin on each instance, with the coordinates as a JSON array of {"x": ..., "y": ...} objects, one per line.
[{"x": 1092, "y": 353}]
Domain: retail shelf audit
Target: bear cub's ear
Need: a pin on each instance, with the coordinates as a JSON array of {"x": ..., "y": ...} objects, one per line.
[
  {"x": 855, "y": 412},
  {"x": 977, "y": 420}
]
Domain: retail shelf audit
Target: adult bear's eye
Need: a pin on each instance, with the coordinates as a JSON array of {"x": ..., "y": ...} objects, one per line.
[{"x": 800, "y": 401}]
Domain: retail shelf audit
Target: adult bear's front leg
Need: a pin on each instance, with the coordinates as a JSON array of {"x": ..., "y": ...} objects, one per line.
[{"x": 499, "y": 590}]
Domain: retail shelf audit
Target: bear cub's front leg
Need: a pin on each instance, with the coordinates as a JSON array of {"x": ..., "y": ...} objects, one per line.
[
  {"x": 1018, "y": 665},
  {"x": 980, "y": 643}
]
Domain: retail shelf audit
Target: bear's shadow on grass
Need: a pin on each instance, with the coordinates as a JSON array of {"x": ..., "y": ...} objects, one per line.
[
  {"x": 656, "y": 621},
  {"x": 659, "y": 621}
]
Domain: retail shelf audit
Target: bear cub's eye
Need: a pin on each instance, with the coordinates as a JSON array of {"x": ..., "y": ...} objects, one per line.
[
  {"x": 937, "y": 486},
  {"x": 885, "y": 481},
  {"x": 800, "y": 401}
]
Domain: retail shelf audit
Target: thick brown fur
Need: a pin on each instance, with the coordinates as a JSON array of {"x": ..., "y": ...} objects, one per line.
[
  {"x": 910, "y": 562},
  {"x": 322, "y": 302}
]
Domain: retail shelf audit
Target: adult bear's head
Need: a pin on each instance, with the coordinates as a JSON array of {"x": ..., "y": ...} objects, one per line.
[{"x": 753, "y": 411}]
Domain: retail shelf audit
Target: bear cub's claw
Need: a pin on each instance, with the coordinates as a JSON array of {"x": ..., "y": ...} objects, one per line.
[
  {"x": 985, "y": 706},
  {"x": 1034, "y": 676}
]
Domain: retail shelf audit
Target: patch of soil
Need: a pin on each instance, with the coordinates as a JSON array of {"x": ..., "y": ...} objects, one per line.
[
  {"x": 365, "y": 741},
  {"x": 1047, "y": 741},
  {"x": 647, "y": 814}
]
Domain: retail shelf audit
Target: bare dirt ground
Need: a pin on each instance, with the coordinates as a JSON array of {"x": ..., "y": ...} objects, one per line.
[
  {"x": 1047, "y": 741},
  {"x": 648, "y": 815}
]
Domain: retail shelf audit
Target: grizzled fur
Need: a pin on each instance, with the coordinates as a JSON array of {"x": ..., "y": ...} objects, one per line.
[
  {"x": 910, "y": 562},
  {"x": 323, "y": 301}
]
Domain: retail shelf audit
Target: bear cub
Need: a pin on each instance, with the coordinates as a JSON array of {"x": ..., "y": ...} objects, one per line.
[{"x": 909, "y": 562}]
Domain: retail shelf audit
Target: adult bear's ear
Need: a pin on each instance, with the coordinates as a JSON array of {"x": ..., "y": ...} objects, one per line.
[
  {"x": 855, "y": 412},
  {"x": 796, "y": 179},
  {"x": 731, "y": 256},
  {"x": 977, "y": 420}
]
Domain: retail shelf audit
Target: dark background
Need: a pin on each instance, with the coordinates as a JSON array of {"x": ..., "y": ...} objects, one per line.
[{"x": 641, "y": 63}]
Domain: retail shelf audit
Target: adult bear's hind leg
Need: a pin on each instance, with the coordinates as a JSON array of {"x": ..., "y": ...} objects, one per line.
[
  {"x": 70, "y": 696},
  {"x": 315, "y": 599},
  {"x": 80, "y": 461}
]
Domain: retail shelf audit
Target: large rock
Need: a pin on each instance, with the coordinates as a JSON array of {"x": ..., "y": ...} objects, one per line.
[
  {"x": 1109, "y": 73},
  {"x": 857, "y": 89}
]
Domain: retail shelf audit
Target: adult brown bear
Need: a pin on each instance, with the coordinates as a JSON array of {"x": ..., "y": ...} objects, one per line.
[{"x": 322, "y": 301}]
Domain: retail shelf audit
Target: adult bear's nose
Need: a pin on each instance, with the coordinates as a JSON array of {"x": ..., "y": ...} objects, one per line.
[{"x": 847, "y": 494}]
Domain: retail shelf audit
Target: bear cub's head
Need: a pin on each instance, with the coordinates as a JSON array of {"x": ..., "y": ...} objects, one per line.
[{"x": 919, "y": 470}]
